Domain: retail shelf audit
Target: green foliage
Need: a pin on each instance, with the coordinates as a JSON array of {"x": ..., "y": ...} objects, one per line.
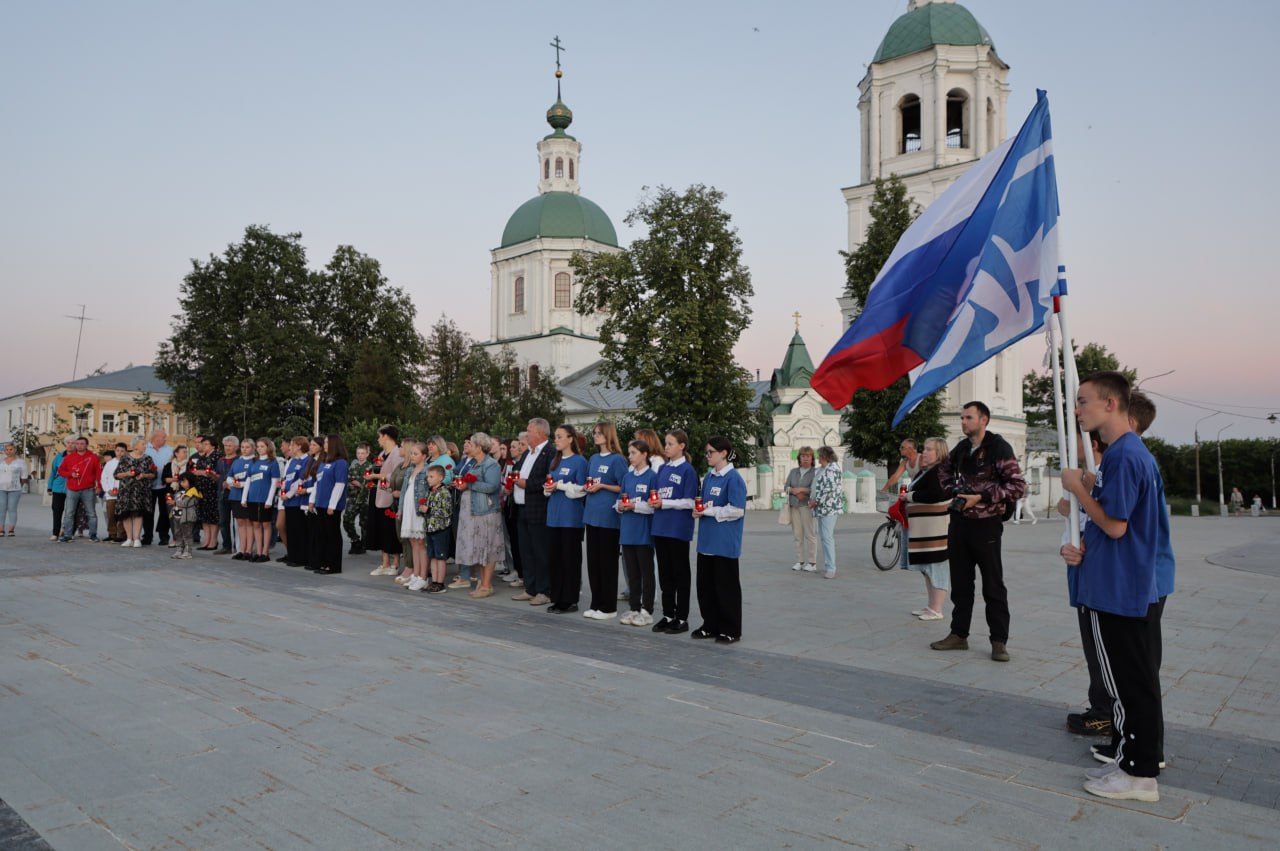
[
  {"x": 257, "y": 332},
  {"x": 868, "y": 434},
  {"x": 891, "y": 213},
  {"x": 675, "y": 303},
  {"x": 1246, "y": 464},
  {"x": 470, "y": 390},
  {"x": 867, "y": 420},
  {"x": 1037, "y": 387}
]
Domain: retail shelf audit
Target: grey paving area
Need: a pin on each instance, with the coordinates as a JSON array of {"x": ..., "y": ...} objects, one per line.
[{"x": 146, "y": 703}]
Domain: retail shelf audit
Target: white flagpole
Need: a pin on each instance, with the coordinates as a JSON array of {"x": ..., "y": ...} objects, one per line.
[{"x": 1066, "y": 448}]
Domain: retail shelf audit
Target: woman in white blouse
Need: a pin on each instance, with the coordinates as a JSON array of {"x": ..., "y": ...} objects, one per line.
[{"x": 13, "y": 476}]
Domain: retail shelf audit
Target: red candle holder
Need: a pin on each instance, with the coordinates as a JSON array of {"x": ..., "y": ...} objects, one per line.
[
  {"x": 653, "y": 496},
  {"x": 698, "y": 504},
  {"x": 626, "y": 500}
]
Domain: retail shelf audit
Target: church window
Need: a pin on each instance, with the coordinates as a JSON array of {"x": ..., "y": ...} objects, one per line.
[
  {"x": 909, "y": 122},
  {"x": 564, "y": 291},
  {"x": 546, "y": 168},
  {"x": 991, "y": 125},
  {"x": 517, "y": 302},
  {"x": 957, "y": 119},
  {"x": 571, "y": 168},
  {"x": 533, "y": 375},
  {"x": 559, "y": 167}
]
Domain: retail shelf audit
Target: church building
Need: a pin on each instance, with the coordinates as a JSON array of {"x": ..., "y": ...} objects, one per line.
[{"x": 933, "y": 101}]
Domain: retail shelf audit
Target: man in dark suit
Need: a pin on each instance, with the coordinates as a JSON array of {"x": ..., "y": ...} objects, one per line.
[{"x": 531, "y": 513}]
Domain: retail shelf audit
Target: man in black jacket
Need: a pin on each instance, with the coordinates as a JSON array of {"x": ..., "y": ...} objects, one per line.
[
  {"x": 983, "y": 474},
  {"x": 531, "y": 513}
]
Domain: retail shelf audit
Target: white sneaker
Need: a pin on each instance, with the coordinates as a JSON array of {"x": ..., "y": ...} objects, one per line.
[
  {"x": 830, "y": 574},
  {"x": 605, "y": 616},
  {"x": 1120, "y": 786},
  {"x": 127, "y": 543},
  {"x": 798, "y": 566},
  {"x": 642, "y": 619},
  {"x": 919, "y": 612},
  {"x": 930, "y": 615},
  {"x": 377, "y": 571},
  {"x": 404, "y": 580},
  {"x": 629, "y": 618},
  {"x": 417, "y": 583},
  {"x": 137, "y": 543},
  {"x": 810, "y": 567},
  {"x": 1101, "y": 771},
  {"x": 590, "y": 613}
]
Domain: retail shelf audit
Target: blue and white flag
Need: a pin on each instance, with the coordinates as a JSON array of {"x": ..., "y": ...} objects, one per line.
[{"x": 1001, "y": 270}]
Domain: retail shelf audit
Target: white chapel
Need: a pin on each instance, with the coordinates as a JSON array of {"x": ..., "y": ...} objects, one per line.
[{"x": 932, "y": 103}]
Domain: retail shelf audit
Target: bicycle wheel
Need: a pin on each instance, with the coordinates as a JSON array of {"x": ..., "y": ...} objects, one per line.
[{"x": 886, "y": 545}]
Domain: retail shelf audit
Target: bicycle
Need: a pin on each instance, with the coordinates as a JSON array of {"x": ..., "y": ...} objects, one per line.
[{"x": 886, "y": 544}]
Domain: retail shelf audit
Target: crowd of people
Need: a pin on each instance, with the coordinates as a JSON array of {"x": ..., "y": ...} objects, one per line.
[
  {"x": 521, "y": 509},
  {"x": 515, "y": 509}
]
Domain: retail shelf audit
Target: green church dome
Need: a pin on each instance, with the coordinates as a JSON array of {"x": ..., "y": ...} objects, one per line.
[
  {"x": 929, "y": 25},
  {"x": 559, "y": 215}
]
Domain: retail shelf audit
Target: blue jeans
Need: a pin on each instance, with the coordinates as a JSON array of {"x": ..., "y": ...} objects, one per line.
[
  {"x": 827, "y": 535},
  {"x": 90, "y": 499},
  {"x": 9, "y": 509}
]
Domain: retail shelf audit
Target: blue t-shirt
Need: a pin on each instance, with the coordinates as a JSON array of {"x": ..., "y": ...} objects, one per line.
[
  {"x": 606, "y": 469},
  {"x": 1119, "y": 575},
  {"x": 636, "y": 528},
  {"x": 330, "y": 476},
  {"x": 293, "y": 475},
  {"x": 57, "y": 484},
  {"x": 676, "y": 480},
  {"x": 563, "y": 512},
  {"x": 1166, "y": 565},
  {"x": 263, "y": 472},
  {"x": 716, "y": 538},
  {"x": 239, "y": 471}
]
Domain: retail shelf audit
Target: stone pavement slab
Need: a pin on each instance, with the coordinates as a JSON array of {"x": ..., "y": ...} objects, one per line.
[{"x": 146, "y": 703}]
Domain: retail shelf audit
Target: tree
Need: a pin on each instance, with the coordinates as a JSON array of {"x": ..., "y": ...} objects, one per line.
[
  {"x": 1037, "y": 387},
  {"x": 870, "y": 412},
  {"x": 675, "y": 304},
  {"x": 258, "y": 332},
  {"x": 470, "y": 390}
]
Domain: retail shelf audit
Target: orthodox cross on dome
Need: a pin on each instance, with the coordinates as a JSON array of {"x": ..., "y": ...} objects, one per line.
[
  {"x": 559, "y": 48},
  {"x": 796, "y": 317}
]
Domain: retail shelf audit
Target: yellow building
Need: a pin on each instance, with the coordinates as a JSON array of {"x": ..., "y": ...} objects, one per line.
[{"x": 107, "y": 409}]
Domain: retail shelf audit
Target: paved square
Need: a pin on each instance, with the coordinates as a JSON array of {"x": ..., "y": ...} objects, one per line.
[{"x": 149, "y": 703}]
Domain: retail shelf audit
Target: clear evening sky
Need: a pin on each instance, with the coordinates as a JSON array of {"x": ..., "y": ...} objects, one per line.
[{"x": 138, "y": 135}]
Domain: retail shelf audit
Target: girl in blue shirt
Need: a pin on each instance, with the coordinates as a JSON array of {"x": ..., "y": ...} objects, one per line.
[
  {"x": 564, "y": 521},
  {"x": 677, "y": 485},
  {"x": 724, "y": 504},
  {"x": 328, "y": 499},
  {"x": 604, "y": 482},
  {"x": 293, "y": 501},
  {"x": 260, "y": 488},
  {"x": 237, "y": 478},
  {"x": 636, "y": 535}
]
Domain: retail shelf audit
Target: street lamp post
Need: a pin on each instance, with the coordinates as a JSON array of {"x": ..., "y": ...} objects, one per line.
[
  {"x": 1222, "y": 502},
  {"x": 1202, "y": 419}
]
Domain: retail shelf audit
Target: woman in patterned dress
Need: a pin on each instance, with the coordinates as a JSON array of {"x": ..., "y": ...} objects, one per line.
[
  {"x": 134, "y": 475},
  {"x": 203, "y": 465}
]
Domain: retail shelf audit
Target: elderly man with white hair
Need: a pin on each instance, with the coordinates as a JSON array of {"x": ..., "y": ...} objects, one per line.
[{"x": 160, "y": 454}]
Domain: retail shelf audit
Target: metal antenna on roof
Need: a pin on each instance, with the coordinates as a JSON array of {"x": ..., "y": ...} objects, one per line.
[{"x": 82, "y": 319}]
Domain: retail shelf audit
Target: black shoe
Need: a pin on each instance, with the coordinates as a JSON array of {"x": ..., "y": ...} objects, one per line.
[
  {"x": 676, "y": 627},
  {"x": 328, "y": 571},
  {"x": 1089, "y": 723},
  {"x": 309, "y": 567},
  {"x": 240, "y": 557},
  {"x": 728, "y": 639},
  {"x": 702, "y": 632},
  {"x": 435, "y": 588},
  {"x": 145, "y": 542},
  {"x": 164, "y": 542},
  {"x": 661, "y": 626},
  {"x": 506, "y": 571},
  {"x": 1103, "y": 753},
  {"x": 261, "y": 559},
  {"x": 553, "y": 609},
  {"x": 283, "y": 559}
]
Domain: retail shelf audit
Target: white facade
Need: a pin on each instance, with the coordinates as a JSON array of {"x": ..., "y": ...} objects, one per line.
[{"x": 926, "y": 117}]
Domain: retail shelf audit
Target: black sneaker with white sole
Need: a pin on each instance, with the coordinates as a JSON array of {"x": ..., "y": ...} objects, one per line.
[
  {"x": 1089, "y": 723},
  {"x": 661, "y": 626}
]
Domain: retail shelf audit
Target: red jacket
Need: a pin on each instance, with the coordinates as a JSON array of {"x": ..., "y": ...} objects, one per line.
[{"x": 81, "y": 470}]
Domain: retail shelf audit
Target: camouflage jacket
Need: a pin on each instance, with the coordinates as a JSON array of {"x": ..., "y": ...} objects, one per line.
[
  {"x": 357, "y": 493},
  {"x": 991, "y": 471}
]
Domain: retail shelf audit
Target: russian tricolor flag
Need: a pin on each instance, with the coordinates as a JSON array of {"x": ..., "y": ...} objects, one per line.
[{"x": 974, "y": 274}]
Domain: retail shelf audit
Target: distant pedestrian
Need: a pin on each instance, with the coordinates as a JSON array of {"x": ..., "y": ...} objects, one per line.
[
  {"x": 135, "y": 473},
  {"x": 156, "y": 523},
  {"x": 82, "y": 470},
  {"x": 925, "y": 540},
  {"x": 58, "y": 487},
  {"x": 797, "y": 489},
  {"x": 825, "y": 501},
  {"x": 1237, "y": 501},
  {"x": 13, "y": 477},
  {"x": 184, "y": 508}
]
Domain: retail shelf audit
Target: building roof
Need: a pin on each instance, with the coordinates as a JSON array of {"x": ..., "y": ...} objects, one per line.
[
  {"x": 134, "y": 379},
  {"x": 588, "y": 390},
  {"x": 931, "y": 24},
  {"x": 559, "y": 215},
  {"x": 796, "y": 367}
]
